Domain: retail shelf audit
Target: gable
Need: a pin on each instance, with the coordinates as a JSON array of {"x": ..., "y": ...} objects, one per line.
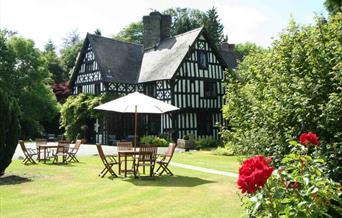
[
  {"x": 162, "y": 62},
  {"x": 86, "y": 71}
]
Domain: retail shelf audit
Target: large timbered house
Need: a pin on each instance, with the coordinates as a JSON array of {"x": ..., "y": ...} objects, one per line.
[{"x": 186, "y": 70}]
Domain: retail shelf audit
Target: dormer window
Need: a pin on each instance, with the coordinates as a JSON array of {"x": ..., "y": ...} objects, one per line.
[{"x": 202, "y": 60}]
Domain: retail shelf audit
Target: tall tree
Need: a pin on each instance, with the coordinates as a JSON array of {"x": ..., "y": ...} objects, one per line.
[
  {"x": 133, "y": 33},
  {"x": 70, "y": 50},
  {"x": 185, "y": 19},
  {"x": 53, "y": 62},
  {"x": 9, "y": 129},
  {"x": 9, "y": 111},
  {"x": 30, "y": 85},
  {"x": 333, "y": 6},
  {"x": 215, "y": 28},
  {"x": 7, "y": 62}
]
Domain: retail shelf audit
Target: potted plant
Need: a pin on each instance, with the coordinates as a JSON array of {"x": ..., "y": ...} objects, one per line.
[{"x": 186, "y": 142}]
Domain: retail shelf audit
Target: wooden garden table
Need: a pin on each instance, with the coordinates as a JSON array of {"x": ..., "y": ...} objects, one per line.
[
  {"x": 45, "y": 148},
  {"x": 125, "y": 154}
]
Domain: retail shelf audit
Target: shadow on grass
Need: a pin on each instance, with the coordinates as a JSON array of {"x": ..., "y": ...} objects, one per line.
[
  {"x": 169, "y": 181},
  {"x": 13, "y": 180},
  {"x": 60, "y": 164}
]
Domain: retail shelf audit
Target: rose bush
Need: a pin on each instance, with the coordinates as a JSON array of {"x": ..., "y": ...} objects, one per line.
[
  {"x": 253, "y": 174},
  {"x": 300, "y": 187},
  {"x": 309, "y": 139}
]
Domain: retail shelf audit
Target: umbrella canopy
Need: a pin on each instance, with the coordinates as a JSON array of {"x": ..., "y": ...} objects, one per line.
[{"x": 137, "y": 103}]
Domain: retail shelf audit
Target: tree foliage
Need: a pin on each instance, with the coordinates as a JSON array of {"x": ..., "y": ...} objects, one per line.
[
  {"x": 294, "y": 87},
  {"x": 183, "y": 20},
  {"x": 213, "y": 25},
  {"x": 9, "y": 110},
  {"x": 54, "y": 64},
  {"x": 72, "y": 46},
  {"x": 9, "y": 129},
  {"x": 246, "y": 48},
  {"x": 24, "y": 76},
  {"x": 333, "y": 6},
  {"x": 78, "y": 110},
  {"x": 133, "y": 33}
]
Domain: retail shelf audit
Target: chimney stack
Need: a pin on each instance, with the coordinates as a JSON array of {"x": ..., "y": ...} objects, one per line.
[
  {"x": 156, "y": 28},
  {"x": 225, "y": 46}
]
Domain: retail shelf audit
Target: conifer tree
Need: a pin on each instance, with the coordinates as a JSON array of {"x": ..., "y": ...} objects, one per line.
[{"x": 215, "y": 28}]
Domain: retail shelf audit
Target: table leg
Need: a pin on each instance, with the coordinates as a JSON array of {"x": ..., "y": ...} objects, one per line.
[
  {"x": 119, "y": 164},
  {"x": 125, "y": 165},
  {"x": 39, "y": 153},
  {"x": 45, "y": 155}
]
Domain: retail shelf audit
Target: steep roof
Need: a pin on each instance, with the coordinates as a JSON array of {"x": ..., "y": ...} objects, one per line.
[
  {"x": 231, "y": 58},
  {"x": 163, "y": 61},
  {"x": 124, "y": 62},
  {"x": 119, "y": 61}
]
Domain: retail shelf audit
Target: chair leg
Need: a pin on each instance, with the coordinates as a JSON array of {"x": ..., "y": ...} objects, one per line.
[
  {"x": 168, "y": 171},
  {"x": 158, "y": 169}
]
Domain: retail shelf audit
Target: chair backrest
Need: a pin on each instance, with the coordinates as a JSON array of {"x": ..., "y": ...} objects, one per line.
[
  {"x": 170, "y": 150},
  {"x": 101, "y": 154},
  {"x": 40, "y": 142},
  {"x": 63, "y": 147},
  {"x": 124, "y": 146},
  {"x": 77, "y": 144},
  {"x": 23, "y": 147},
  {"x": 147, "y": 152}
]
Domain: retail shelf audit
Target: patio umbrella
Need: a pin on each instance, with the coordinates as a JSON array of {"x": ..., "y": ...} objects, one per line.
[{"x": 137, "y": 103}]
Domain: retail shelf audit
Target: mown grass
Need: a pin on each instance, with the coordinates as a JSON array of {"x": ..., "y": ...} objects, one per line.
[
  {"x": 208, "y": 160},
  {"x": 46, "y": 190}
]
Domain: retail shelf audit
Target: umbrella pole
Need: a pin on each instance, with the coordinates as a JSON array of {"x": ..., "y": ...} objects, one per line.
[{"x": 135, "y": 128}]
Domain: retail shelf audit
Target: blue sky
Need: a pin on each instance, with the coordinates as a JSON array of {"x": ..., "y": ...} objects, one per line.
[{"x": 254, "y": 20}]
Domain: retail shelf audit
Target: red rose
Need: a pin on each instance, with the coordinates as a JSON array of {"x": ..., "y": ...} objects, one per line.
[
  {"x": 309, "y": 139},
  {"x": 253, "y": 174}
]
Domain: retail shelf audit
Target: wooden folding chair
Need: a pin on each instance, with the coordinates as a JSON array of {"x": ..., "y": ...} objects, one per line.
[
  {"x": 61, "y": 151},
  {"x": 165, "y": 160},
  {"x": 146, "y": 158},
  {"x": 108, "y": 165},
  {"x": 28, "y": 152},
  {"x": 73, "y": 151}
]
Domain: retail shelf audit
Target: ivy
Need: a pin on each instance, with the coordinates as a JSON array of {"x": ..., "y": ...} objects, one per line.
[{"x": 78, "y": 110}]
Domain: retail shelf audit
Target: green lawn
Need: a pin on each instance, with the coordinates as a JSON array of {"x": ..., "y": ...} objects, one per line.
[
  {"x": 208, "y": 160},
  {"x": 46, "y": 190}
]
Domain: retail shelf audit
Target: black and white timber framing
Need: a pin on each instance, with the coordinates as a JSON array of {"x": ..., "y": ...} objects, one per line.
[{"x": 186, "y": 70}]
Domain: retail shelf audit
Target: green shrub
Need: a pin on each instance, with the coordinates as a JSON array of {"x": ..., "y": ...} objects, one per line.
[
  {"x": 154, "y": 140},
  {"x": 207, "y": 142},
  {"x": 9, "y": 129},
  {"x": 293, "y": 87}
]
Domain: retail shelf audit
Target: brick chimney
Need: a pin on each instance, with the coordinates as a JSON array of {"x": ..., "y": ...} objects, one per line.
[
  {"x": 156, "y": 28},
  {"x": 225, "y": 46}
]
